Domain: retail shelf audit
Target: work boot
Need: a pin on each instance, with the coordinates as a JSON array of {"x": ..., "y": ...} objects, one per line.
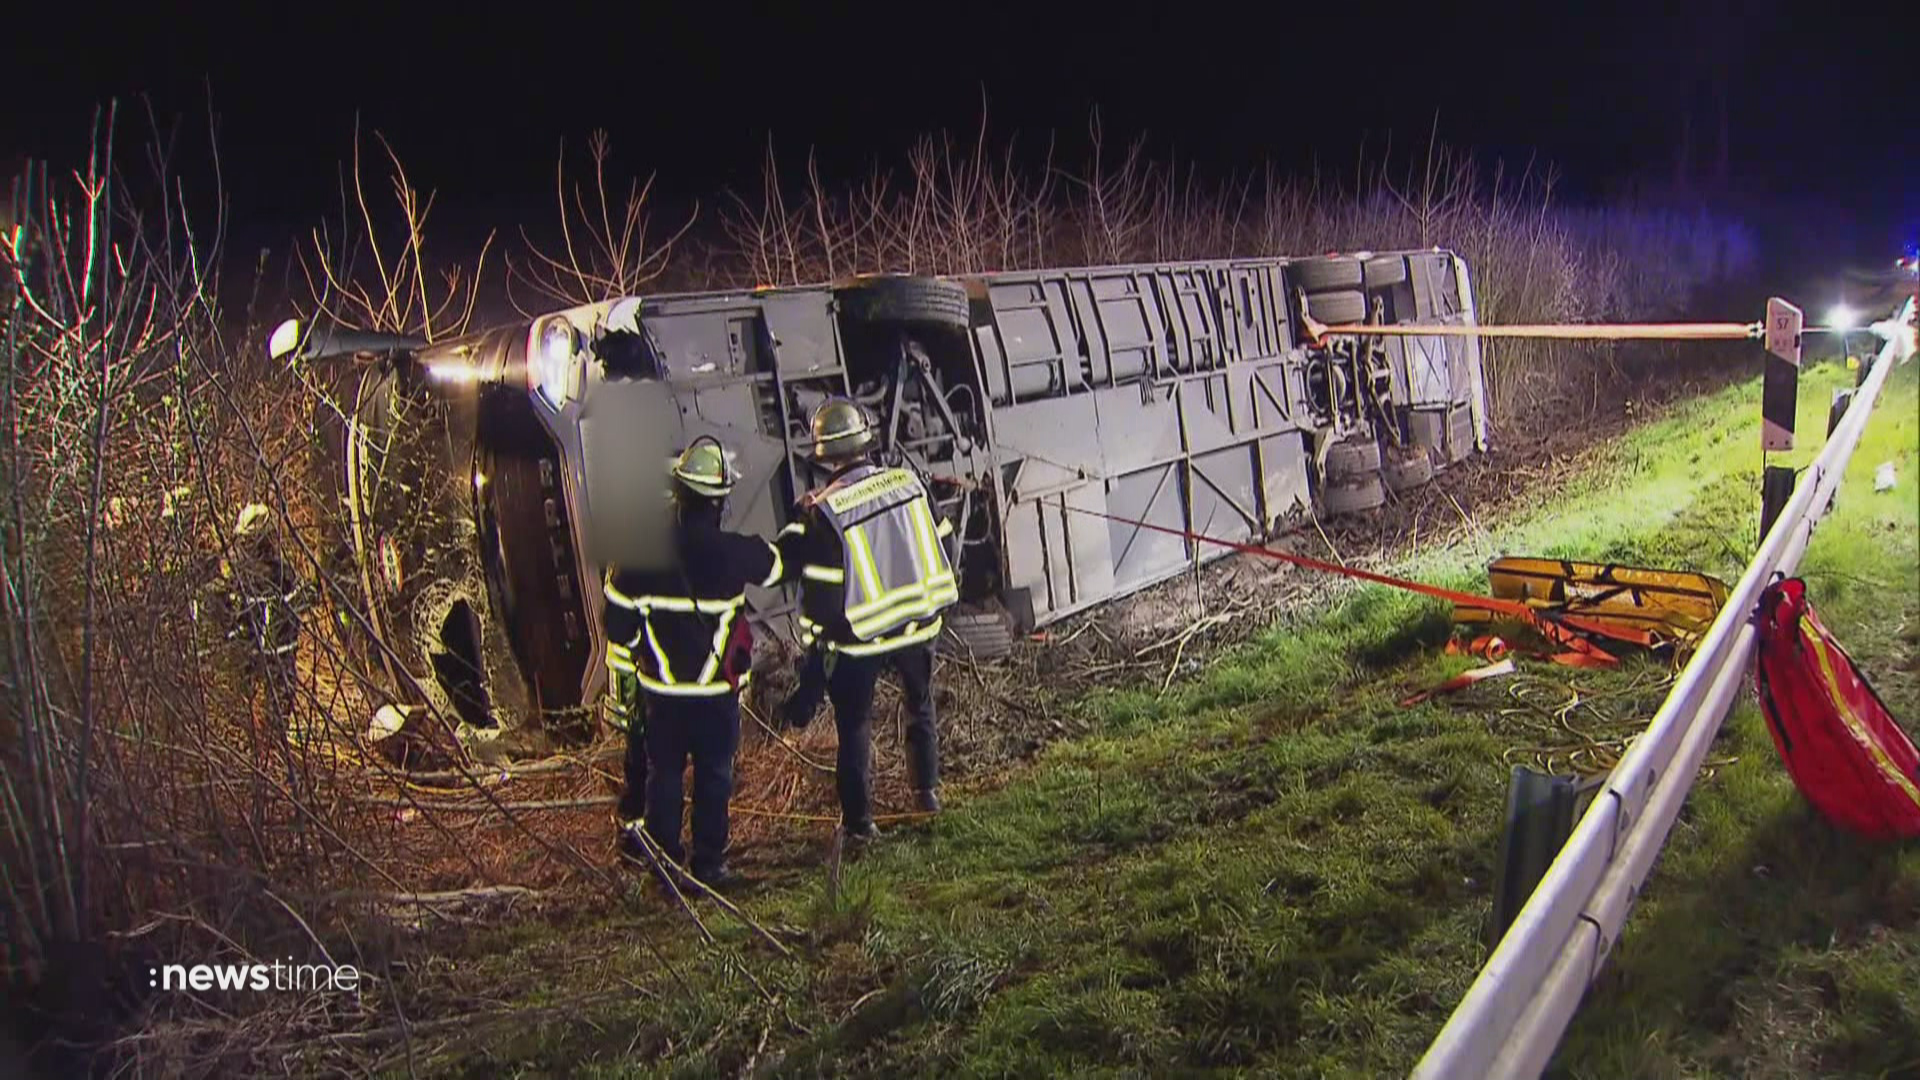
[
  {"x": 862, "y": 834},
  {"x": 928, "y": 800},
  {"x": 719, "y": 878}
]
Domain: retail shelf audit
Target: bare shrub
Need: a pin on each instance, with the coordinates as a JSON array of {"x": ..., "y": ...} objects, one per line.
[
  {"x": 962, "y": 208},
  {"x": 370, "y": 271},
  {"x": 165, "y": 792},
  {"x": 604, "y": 250},
  {"x": 125, "y": 797},
  {"x": 966, "y": 207}
]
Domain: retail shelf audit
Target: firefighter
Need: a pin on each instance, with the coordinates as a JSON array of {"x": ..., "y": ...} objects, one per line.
[
  {"x": 874, "y": 580},
  {"x": 263, "y": 599},
  {"x": 678, "y": 653}
]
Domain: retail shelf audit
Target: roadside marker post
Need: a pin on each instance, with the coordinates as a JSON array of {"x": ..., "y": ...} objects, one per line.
[
  {"x": 1779, "y": 398},
  {"x": 1780, "y": 392}
]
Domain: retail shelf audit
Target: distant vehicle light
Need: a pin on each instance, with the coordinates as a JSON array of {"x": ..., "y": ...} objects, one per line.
[
  {"x": 285, "y": 339},
  {"x": 1842, "y": 317}
]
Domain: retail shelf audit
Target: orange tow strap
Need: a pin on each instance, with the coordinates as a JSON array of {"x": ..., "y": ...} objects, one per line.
[
  {"x": 1487, "y": 647},
  {"x": 1562, "y": 630}
]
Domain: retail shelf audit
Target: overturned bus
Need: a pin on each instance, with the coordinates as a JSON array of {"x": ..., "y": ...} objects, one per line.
[{"x": 1051, "y": 411}]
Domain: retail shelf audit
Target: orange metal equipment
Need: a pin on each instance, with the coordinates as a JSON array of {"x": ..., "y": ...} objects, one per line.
[{"x": 1626, "y": 603}]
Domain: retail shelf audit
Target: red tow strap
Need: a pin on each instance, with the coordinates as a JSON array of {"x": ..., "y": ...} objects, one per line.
[{"x": 1557, "y": 628}]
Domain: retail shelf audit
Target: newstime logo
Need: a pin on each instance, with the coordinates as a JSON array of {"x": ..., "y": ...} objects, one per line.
[{"x": 274, "y": 976}]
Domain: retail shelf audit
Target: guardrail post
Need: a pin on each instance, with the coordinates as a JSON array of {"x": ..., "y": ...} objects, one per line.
[
  {"x": 1776, "y": 487},
  {"x": 1541, "y": 810},
  {"x": 1838, "y": 410}
]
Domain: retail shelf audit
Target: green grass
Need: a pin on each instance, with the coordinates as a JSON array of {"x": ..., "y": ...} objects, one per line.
[{"x": 1274, "y": 869}]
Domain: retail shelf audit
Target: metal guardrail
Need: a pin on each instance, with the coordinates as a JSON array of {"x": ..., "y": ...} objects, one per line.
[{"x": 1513, "y": 1016}]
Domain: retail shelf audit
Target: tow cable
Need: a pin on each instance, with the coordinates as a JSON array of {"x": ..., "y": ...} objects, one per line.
[{"x": 1560, "y": 628}]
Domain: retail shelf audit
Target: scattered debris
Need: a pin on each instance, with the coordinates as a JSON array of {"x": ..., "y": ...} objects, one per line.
[
  {"x": 1580, "y": 731},
  {"x": 1461, "y": 682},
  {"x": 1883, "y": 477},
  {"x": 479, "y": 895}
]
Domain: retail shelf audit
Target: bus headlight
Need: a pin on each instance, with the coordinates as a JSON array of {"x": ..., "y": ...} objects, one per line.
[
  {"x": 285, "y": 339},
  {"x": 555, "y": 364}
]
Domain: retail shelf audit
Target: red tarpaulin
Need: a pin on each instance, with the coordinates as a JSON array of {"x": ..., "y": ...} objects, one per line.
[{"x": 1844, "y": 750}]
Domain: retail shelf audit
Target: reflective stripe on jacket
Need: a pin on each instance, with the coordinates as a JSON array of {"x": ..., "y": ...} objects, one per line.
[
  {"x": 275, "y": 623},
  {"x": 623, "y": 687},
  {"x": 673, "y": 643},
  {"x": 266, "y": 602},
  {"x": 653, "y": 669},
  {"x": 914, "y": 633}
]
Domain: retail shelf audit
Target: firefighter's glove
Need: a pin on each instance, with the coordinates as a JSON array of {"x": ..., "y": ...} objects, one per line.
[{"x": 621, "y": 700}]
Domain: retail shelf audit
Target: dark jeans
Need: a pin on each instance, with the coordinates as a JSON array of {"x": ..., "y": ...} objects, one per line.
[
  {"x": 708, "y": 730},
  {"x": 850, "y": 682}
]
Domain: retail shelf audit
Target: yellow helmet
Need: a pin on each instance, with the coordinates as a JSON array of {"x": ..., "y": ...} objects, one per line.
[
  {"x": 253, "y": 518},
  {"x": 840, "y": 430},
  {"x": 703, "y": 468}
]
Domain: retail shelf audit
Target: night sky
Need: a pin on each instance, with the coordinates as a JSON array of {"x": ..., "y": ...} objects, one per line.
[{"x": 1822, "y": 104}]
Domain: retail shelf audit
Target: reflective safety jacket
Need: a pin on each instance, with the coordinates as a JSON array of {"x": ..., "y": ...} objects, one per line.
[
  {"x": 874, "y": 574},
  {"x": 264, "y": 597},
  {"x": 683, "y": 631}
]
